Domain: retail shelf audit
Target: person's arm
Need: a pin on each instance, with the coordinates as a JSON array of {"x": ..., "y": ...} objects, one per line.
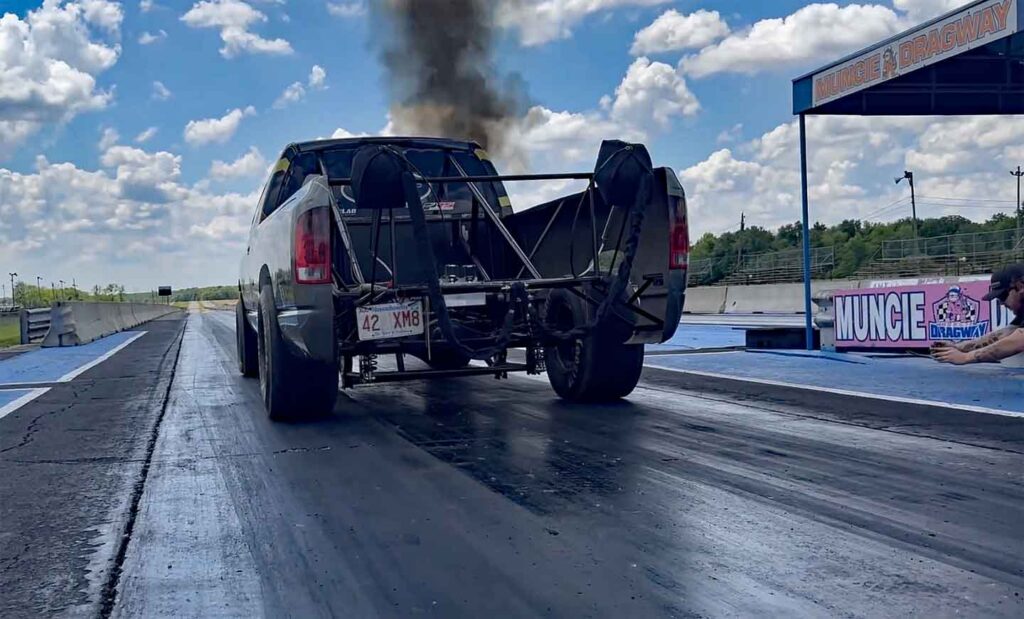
[
  {"x": 985, "y": 340},
  {"x": 1005, "y": 346}
]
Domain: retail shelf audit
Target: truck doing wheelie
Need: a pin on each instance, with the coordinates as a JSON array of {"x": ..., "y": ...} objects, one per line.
[{"x": 409, "y": 247}]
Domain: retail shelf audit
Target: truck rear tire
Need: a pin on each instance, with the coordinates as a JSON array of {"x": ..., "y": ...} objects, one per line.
[
  {"x": 597, "y": 367},
  {"x": 292, "y": 387},
  {"x": 245, "y": 340}
]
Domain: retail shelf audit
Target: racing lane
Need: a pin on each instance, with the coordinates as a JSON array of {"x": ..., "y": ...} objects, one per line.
[{"x": 474, "y": 497}]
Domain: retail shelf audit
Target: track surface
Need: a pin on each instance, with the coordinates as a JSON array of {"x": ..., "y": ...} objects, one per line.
[{"x": 474, "y": 497}]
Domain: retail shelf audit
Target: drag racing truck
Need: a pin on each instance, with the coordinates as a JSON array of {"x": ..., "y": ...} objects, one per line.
[{"x": 407, "y": 253}]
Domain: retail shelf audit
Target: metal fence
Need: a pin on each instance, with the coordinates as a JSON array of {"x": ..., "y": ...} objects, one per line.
[{"x": 967, "y": 245}]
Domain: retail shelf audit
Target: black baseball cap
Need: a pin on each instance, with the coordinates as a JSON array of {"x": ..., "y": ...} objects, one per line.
[{"x": 1003, "y": 280}]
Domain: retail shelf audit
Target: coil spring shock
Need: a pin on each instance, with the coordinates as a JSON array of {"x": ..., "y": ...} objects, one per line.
[{"x": 367, "y": 367}]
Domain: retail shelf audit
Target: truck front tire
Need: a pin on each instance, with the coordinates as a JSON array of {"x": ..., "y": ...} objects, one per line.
[
  {"x": 245, "y": 340},
  {"x": 597, "y": 367},
  {"x": 292, "y": 387}
]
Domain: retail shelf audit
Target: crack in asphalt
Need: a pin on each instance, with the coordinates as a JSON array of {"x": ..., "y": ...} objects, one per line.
[{"x": 108, "y": 594}]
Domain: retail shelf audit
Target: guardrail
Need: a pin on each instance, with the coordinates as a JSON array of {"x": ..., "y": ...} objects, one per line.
[{"x": 34, "y": 325}]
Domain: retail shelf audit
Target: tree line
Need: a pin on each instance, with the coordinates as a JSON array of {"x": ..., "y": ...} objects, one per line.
[{"x": 855, "y": 242}]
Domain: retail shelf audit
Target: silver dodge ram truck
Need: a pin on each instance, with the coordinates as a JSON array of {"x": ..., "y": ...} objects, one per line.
[{"x": 409, "y": 247}]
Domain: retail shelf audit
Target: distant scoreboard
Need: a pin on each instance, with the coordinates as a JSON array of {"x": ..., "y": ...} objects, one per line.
[{"x": 164, "y": 291}]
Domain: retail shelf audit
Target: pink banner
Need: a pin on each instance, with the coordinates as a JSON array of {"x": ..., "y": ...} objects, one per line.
[{"x": 915, "y": 316}]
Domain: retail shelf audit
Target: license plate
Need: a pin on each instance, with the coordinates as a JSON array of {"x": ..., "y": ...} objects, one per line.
[{"x": 390, "y": 320}]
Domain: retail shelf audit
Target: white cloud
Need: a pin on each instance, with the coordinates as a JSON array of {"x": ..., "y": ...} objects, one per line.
[
  {"x": 49, "y": 62},
  {"x": 317, "y": 77},
  {"x": 109, "y": 137},
  {"x": 921, "y": 10},
  {"x": 542, "y": 21},
  {"x": 852, "y": 161},
  {"x": 730, "y": 135},
  {"x": 160, "y": 92},
  {"x": 652, "y": 90},
  {"x": 346, "y": 9},
  {"x": 145, "y": 6},
  {"x": 234, "y": 18},
  {"x": 296, "y": 92},
  {"x": 216, "y": 129},
  {"x": 147, "y": 38},
  {"x": 816, "y": 31},
  {"x": 251, "y": 163},
  {"x": 124, "y": 222},
  {"x": 146, "y": 135},
  {"x": 674, "y": 31}
]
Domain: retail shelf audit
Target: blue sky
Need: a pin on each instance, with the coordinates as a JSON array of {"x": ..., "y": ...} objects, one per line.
[{"x": 103, "y": 180}]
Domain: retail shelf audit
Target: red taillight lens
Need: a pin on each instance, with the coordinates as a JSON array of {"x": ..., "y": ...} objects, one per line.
[
  {"x": 313, "y": 247},
  {"x": 679, "y": 244}
]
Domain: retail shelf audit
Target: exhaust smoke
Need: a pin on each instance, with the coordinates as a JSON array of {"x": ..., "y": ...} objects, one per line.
[{"x": 439, "y": 60}]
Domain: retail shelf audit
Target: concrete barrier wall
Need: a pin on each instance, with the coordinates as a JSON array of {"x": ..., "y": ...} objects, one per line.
[
  {"x": 705, "y": 300},
  {"x": 758, "y": 298},
  {"x": 74, "y": 322}
]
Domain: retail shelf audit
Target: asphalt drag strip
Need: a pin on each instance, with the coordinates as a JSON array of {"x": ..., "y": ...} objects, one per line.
[
  {"x": 476, "y": 497},
  {"x": 70, "y": 460}
]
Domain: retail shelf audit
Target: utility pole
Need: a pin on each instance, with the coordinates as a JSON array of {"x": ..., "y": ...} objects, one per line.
[
  {"x": 909, "y": 176},
  {"x": 61, "y": 289},
  {"x": 1018, "y": 174},
  {"x": 739, "y": 240},
  {"x": 74, "y": 288},
  {"x": 13, "y": 300}
]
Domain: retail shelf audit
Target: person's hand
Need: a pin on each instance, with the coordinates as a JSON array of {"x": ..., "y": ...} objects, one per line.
[{"x": 951, "y": 355}]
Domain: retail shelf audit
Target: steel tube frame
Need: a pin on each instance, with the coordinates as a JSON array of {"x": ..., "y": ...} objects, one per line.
[{"x": 806, "y": 241}]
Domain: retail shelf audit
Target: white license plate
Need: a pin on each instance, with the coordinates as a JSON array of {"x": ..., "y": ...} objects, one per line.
[{"x": 390, "y": 320}]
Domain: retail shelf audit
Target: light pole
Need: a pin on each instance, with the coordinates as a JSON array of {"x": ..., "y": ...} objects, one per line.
[
  {"x": 61, "y": 289},
  {"x": 13, "y": 300}
]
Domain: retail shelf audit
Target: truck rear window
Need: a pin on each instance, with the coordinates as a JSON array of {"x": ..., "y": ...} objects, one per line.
[{"x": 448, "y": 198}]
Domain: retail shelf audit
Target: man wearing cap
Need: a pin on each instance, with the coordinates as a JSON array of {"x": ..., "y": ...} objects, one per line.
[{"x": 1008, "y": 287}]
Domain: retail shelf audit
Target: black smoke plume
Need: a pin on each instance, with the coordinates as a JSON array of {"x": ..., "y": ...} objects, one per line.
[{"x": 439, "y": 60}]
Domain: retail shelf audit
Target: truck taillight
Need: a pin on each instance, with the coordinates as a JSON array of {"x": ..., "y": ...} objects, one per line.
[
  {"x": 313, "y": 247},
  {"x": 679, "y": 244}
]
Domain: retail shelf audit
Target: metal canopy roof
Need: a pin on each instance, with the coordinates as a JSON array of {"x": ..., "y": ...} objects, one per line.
[{"x": 968, "y": 61}]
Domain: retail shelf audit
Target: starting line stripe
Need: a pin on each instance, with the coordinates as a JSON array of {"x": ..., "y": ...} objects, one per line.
[
  {"x": 22, "y": 401},
  {"x": 846, "y": 392},
  {"x": 98, "y": 360}
]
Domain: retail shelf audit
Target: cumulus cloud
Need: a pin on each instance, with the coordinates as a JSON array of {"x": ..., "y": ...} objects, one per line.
[
  {"x": 346, "y": 9},
  {"x": 296, "y": 91},
  {"x": 234, "y": 19},
  {"x": 148, "y": 38},
  {"x": 145, "y": 6},
  {"x": 542, "y": 21},
  {"x": 161, "y": 92},
  {"x": 129, "y": 219},
  {"x": 673, "y": 31},
  {"x": 49, "y": 63},
  {"x": 652, "y": 90},
  {"x": 852, "y": 161},
  {"x": 146, "y": 135},
  {"x": 921, "y": 10},
  {"x": 218, "y": 130},
  {"x": 251, "y": 163},
  {"x": 812, "y": 32}
]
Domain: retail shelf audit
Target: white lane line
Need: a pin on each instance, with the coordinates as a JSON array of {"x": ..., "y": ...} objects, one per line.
[
  {"x": 7, "y": 409},
  {"x": 846, "y": 392},
  {"x": 98, "y": 360}
]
